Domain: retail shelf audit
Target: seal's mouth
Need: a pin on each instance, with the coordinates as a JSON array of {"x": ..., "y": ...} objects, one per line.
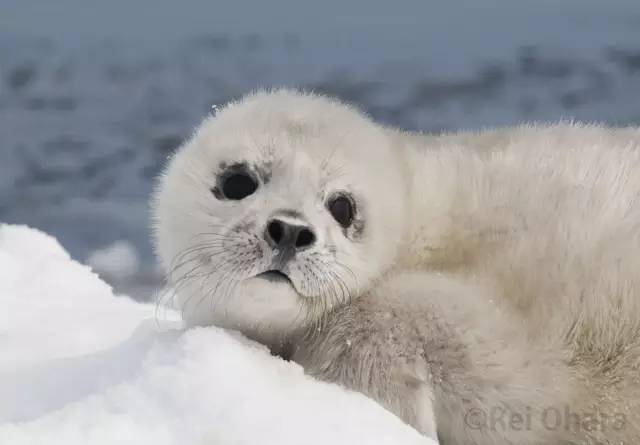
[{"x": 275, "y": 276}]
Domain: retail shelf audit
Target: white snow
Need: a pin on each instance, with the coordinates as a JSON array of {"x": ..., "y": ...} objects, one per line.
[
  {"x": 118, "y": 260},
  {"x": 82, "y": 366}
]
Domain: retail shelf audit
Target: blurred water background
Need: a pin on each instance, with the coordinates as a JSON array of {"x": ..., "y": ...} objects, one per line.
[{"x": 95, "y": 95}]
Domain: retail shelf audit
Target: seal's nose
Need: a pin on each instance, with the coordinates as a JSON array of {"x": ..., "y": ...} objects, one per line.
[{"x": 283, "y": 235}]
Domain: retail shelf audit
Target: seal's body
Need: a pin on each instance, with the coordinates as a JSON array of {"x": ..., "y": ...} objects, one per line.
[{"x": 483, "y": 287}]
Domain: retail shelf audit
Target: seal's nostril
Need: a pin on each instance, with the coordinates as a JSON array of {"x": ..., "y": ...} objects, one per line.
[
  {"x": 282, "y": 235},
  {"x": 275, "y": 231},
  {"x": 305, "y": 238}
]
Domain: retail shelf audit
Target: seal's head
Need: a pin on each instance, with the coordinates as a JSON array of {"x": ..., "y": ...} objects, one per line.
[{"x": 280, "y": 207}]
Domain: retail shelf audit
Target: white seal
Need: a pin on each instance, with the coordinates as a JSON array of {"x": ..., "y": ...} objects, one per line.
[
  {"x": 264, "y": 224},
  {"x": 483, "y": 287}
]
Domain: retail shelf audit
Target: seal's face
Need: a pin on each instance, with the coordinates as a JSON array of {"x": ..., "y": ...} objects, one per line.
[{"x": 280, "y": 207}]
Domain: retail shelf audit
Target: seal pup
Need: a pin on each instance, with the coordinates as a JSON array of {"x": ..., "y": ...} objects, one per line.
[{"x": 481, "y": 286}]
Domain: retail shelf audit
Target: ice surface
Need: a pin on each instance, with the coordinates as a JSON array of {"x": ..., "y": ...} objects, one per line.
[{"x": 82, "y": 366}]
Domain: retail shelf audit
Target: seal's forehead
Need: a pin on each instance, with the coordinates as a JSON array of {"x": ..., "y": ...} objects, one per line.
[
  {"x": 288, "y": 113},
  {"x": 277, "y": 137},
  {"x": 302, "y": 131},
  {"x": 280, "y": 154},
  {"x": 296, "y": 105}
]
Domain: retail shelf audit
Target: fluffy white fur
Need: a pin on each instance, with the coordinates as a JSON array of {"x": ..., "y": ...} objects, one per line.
[
  {"x": 492, "y": 274},
  {"x": 301, "y": 145}
]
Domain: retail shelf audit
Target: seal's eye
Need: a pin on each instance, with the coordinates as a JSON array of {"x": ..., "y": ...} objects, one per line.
[
  {"x": 342, "y": 209},
  {"x": 238, "y": 185}
]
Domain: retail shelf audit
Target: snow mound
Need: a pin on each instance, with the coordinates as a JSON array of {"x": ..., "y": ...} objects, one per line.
[
  {"x": 118, "y": 260},
  {"x": 82, "y": 366}
]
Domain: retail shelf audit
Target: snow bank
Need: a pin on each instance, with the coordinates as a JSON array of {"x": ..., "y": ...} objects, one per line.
[
  {"x": 82, "y": 366},
  {"x": 118, "y": 260}
]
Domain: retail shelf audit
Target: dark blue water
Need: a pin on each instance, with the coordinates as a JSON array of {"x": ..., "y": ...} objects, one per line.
[{"x": 94, "y": 95}]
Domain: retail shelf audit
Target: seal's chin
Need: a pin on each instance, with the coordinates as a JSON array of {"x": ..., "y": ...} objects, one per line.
[{"x": 265, "y": 308}]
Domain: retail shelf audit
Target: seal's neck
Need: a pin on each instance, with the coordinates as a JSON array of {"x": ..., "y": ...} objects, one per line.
[{"x": 440, "y": 199}]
